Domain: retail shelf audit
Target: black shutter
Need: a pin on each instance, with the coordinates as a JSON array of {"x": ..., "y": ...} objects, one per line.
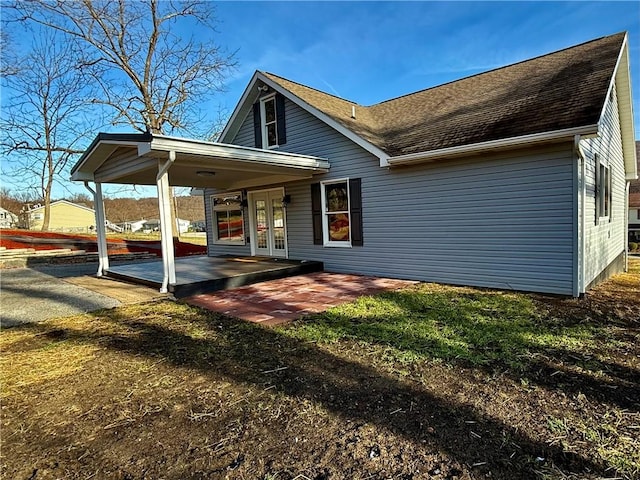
[
  {"x": 282, "y": 129},
  {"x": 355, "y": 198},
  {"x": 257, "y": 125},
  {"x": 316, "y": 213}
]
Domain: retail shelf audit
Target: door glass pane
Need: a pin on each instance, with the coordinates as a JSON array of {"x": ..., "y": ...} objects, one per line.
[
  {"x": 261, "y": 224},
  {"x": 338, "y": 227},
  {"x": 278, "y": 223}
]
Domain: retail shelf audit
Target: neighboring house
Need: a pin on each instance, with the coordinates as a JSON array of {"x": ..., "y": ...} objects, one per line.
[
  {"x": 634, "y": 205},
  {"x": 65, "y": 217},
  {"x": 514, "y": 179},
  {"x": 7, "y": 219},
  {"x": 132, "y": 226},
  {"x": 149, "y": 226}
]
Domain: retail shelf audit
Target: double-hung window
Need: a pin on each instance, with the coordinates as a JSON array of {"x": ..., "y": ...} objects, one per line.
[
  {"x": 269, "y": 122},
  {"x": 603, "y": 190},
  {"x": 336, "y": 213},
  {"x": 269, "y": 126},
  {"x": 228, "y": 219}
]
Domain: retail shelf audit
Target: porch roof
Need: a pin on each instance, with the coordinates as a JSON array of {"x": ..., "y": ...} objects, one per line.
[{"x": 133, "y": 158}]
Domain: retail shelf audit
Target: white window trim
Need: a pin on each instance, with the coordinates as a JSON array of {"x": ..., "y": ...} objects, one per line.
[
  {"x": 225, "y": 208},
  {"x": 607, "y": 191},
  {"x": 325, "y": 224},
  {"x": 263, "y": 121}
]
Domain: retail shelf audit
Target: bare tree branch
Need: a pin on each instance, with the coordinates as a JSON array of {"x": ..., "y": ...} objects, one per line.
[
  {"x": 45, "y": 118},
  {"x": 153, "y": 78}
]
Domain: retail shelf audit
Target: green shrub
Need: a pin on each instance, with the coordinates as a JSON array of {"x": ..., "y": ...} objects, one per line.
[{"x": 633, "y": 246}]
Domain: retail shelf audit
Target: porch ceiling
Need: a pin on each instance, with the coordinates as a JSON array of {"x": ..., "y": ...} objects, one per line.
[{"x": 135, "y": 159}]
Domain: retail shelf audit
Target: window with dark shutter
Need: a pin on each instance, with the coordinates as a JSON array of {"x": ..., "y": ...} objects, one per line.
[
  {"x": 337, "y": 213},
  {"x": 269, "y": 121}
]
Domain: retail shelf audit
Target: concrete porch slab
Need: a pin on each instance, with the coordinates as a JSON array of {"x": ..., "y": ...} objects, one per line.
[{"x": 202, "y": 274}]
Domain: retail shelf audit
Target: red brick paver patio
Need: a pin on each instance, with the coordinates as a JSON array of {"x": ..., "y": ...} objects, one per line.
[{"x": 280, "y": 301}]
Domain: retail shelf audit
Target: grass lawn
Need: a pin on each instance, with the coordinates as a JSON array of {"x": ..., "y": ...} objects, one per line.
[{"x": 428, "y": 382}]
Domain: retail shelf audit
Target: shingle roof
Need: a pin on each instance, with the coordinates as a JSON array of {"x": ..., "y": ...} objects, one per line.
[{"x": 560, "y": 90}]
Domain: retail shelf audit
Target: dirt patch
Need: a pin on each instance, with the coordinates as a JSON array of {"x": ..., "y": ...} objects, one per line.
[{"x": 165, "y": 390}]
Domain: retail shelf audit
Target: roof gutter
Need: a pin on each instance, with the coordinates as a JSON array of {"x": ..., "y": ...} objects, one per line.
[{"x": 536, "y": 138}]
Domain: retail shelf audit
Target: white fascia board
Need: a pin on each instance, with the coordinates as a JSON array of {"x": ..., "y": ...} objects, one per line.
[
  {"x": 473, "y": 148},
  {"x": 88, "y": 156},
  {"x": 238, "y": 153},
  {"x": 231, "y": 127},
  {"x": 622, "y": 80},
  {"x": 236, "y": 111},
  {"x": 81, "y": 177},
  {"x": 326, "y": 119}
]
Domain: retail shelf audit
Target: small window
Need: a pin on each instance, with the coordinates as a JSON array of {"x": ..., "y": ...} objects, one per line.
[
  {"x": 228, "y": 220},
  {"x": 269, "y": 123},
  {"x": 37, "y": 216},
  {"x": 337, "y": 219},
  {"x": 603, "y": 190}
]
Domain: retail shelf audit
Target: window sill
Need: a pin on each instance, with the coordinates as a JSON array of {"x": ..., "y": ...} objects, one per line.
[
  {"x": 229, "y": 242},
  {"x": 337, "y": 244}
]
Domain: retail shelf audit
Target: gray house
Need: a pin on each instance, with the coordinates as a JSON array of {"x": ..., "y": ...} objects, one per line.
[{"x": 516, "y": 178}]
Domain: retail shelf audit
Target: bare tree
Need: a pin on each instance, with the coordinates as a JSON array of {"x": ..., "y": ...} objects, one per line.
[
  {"x": 44, "y": 119},
  {"x": 150, "y": 75}
]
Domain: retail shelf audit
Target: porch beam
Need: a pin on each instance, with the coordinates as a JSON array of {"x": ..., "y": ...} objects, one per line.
[{"x": 166, "y": 235}]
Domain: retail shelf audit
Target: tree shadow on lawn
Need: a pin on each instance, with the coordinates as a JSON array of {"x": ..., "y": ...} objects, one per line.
[
  {"x": 254, "y": 356},
  {"x": 488, "y": 330}
]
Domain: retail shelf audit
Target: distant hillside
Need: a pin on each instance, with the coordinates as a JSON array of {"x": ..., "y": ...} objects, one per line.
[
  {"x": 118, "y": 209},
  {"x": 130, "y": 209}
]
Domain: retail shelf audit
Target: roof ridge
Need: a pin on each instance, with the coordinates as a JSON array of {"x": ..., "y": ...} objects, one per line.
[
  {"x": 498, "y": 68},
  {"x": 312, "y": 88}
]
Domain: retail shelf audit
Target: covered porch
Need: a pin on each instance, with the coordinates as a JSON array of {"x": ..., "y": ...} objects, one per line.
[
  {"x": 149, "y": 159},
  {"x": 201, "y": 274}
]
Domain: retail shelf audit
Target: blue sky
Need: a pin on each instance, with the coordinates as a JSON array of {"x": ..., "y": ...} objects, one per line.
[{"x": 368, "y": 52}]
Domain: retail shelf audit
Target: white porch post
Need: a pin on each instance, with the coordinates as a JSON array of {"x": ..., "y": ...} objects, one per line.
[
  {"x": 101, "y": 230},
  {"x": 166, "y": 235}
]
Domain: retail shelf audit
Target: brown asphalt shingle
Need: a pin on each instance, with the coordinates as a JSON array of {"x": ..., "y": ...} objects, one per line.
[{"x": 561, "y": 90}]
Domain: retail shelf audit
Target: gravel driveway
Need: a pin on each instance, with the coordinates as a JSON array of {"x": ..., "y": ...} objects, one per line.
[{"x": 29, "y": 295}]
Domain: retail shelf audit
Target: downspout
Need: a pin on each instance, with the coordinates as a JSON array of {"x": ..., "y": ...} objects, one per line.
[
  {"x": 581, "y": 172},
  {"x": 626, "y": 225},
  {"x": 163, "y": 234}
]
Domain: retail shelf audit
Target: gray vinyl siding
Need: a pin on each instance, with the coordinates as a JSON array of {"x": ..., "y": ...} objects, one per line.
[
  {"x": 604, "y": 241},
  {"x": 501, "y": 221}
]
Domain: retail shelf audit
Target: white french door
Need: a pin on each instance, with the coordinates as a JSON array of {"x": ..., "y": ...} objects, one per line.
[{"x": 268, "y": 223}]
